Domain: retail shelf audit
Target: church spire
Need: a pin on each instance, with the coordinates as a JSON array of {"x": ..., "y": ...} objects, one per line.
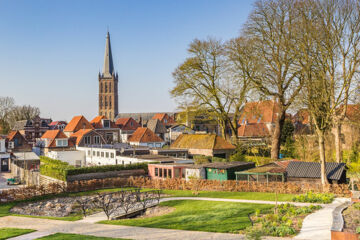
[{"x": 108, "y": 69}]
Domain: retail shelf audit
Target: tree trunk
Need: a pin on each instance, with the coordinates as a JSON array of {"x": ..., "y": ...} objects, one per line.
[
  {"x": 338, "y": 148},
  {"x": 275, "y": 145},
  {"x": 324, "y": 179}
]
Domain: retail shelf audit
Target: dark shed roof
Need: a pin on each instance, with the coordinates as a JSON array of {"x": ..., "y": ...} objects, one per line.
[
  {"x": 226, "y": 165},
  {"x": 312, "y": 170}
]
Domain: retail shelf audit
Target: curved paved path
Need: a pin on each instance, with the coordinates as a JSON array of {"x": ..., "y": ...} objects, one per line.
[
  {"x": 87, "y": 226},
  {"x": 318, "y": 225}
]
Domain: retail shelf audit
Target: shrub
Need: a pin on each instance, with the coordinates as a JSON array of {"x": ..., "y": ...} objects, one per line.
[
  {"x": 54, "y": 168},
  {"x": 358, "y": 230},
  {"x": 237, "y": 157},
  {"x": 315, "y": 197}
]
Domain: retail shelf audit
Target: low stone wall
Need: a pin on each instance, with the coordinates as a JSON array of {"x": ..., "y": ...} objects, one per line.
[{"x": 45, "y": 180}]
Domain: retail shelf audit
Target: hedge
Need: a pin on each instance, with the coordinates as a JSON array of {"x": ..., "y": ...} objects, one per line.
[
  {"x": 60, "y": 170},
  {"x": 54, "y": 168},
  {"x": 106, "y": 168}
]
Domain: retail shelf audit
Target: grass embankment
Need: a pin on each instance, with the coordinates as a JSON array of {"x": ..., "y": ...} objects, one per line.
[
  {"x": 70, "y": 236},
  {"x": 6, "y": 233},
  {"x": 205, "y": 216}
]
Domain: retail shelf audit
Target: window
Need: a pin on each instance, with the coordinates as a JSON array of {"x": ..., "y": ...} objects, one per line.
[
  {"x": 98, "y": 153},
  {"x": 93, "y": 153},
  {"x": 165, "y": 173},
  {"x": 106, "y": 89},
  {"x": 110, "y": 87},
  {"x": 169, "y": 173},
  {"x": 106, "y": 123},
  {"x": 87, "y": 140},
  {"x": 160, "y": 172},
  {"x": 101, "y": 87},
  {"x": 156, "y": 172},
  {"x": 97, "y": 139},
  {"x": 61, "y": 142},
  {"x": 112, "y": 156},
  {"x": 101, "y": 103},
  {"x": 165, "y": 120},
  {"x": 89, "y": 153},
  {"x": 102, "y": 154},
  {"x": 110, "y": 101},
  {"x": 107, "y": 154}
]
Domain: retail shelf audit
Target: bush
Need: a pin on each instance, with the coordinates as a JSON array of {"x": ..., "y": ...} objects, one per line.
[
  {"x": 358, "y": 230},
  {"x": 60, "y": 170},
  {"x": 315, "y": 197},
  {"x": 237, "y": 157}
]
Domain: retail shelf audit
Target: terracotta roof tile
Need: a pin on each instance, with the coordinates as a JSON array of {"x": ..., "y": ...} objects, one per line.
[
  {"x": 127, "y": 123},
  {"x": 80, "y": 134},
  {"x": 144, "y": 135},
  {"x": 11, "y": 135},
  {"x": 77, "y": 123},
  {"x": 259, "y": 112},
  {"x": 164, "y": 118},
  {"x": 253, "y": 130}
]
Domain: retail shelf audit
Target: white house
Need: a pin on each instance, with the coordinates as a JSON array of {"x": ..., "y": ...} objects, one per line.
[
  {"x": 144, "y": 137},
  {"x": 4, "y": 157}
]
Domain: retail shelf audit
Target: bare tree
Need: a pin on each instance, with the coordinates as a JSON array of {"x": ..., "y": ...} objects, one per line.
[
  {"x": 271, "y": 29},
  {"x": 6, "y": 106},
  {"x": 127, "y": 199},
  {"x": 107, "y": 203},
  {"x": 25, "y": 112},
  {"x": 205, "y": 81},
  {"x": 84, "y": 204}
]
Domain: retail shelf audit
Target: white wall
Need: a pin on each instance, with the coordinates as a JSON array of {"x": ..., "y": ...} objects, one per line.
[
  {"x": 149, "y": 144},
  {"x": 75, "y": 158},
  {"x": 99, "y": 156},
  {"x": 2, "y": 146},
  {"x": 131, "y": 160}
]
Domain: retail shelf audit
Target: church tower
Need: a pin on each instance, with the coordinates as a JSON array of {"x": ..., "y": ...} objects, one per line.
[{"x": 108, "y": 85}]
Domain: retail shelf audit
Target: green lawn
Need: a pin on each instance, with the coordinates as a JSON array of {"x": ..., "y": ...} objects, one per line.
[
  {"x": 6, "y": 233},
  {"x": 231, "y": 195},
  {"x": 200, "y": 216},
  {"x": 70, "y": 236}
]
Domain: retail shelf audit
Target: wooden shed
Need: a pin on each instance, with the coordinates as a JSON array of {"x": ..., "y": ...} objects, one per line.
[{"x": 226, "y": 170}]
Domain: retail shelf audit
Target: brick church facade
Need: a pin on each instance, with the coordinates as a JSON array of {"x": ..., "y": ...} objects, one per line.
[{"x": 108, "y": 85}]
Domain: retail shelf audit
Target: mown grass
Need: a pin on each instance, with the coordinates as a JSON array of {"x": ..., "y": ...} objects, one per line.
[
  {"x": 6, "y": 233},
  {"x": 70, "y": 236},
  {"x": 197, "y": 215}
]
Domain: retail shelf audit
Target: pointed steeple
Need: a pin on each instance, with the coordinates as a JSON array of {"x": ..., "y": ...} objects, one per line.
[{"x": 108, "y": 68}]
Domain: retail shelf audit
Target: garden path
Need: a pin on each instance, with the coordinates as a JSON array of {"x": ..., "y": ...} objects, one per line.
[
  {"x": 318, "y": 225},
  {"x": 87, "y": 226}
]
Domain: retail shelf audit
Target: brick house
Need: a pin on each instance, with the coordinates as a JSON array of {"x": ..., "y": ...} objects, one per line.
[
  {"x": 32, "y": 129},
  {"x": 107, "y": 128},
  {"x": 87, "y": 137},
  {"x": 127, "y": 127},
  {"x": 165, "y": 119},
  {"x": 16, "y": 142},
  {"x": 56, "y": 140},
  {"x": 77, "y": 123},
  {"x": 144, "y": 137}
]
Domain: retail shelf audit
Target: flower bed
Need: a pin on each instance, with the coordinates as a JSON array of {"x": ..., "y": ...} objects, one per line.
[
  {"x": 285, "y": 220},
  {"x": 315, "y": 197}
]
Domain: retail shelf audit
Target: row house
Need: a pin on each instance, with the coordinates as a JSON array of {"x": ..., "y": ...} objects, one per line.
[
  {"x": 16, "y": 142},
  {"x": 32, "y": 129},
  {"x": 58, "y": 125},
  {"x": 106, "y": 128},
  {"x": 144, "y": 137},
  {"x": 127, "y": 127}
]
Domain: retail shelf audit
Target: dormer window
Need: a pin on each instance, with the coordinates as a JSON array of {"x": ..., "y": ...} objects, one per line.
[
  {"x": 106, "y": 123},
  {"x": 61, "y": 142}
]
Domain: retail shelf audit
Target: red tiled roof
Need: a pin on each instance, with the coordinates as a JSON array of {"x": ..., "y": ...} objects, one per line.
[
  {"x": 77, "y": 123},
  {"x": 55, "y": 134},
  {"x": 11, "y": 135},
  {"x": 162, "y": 117},
  {"x": 97, "y": 122},
  {"x": 253, "y": 130},
  {"x": 80, "y": 134},
  {"x": 259, "y": 112},
  {"x": 285, "y": 163},
  {"x": 125, "y": 124},
  {"x": 144, "y": 135},
  {"x": 302, "y": 116},
  {"x": 56, "y": 123}
]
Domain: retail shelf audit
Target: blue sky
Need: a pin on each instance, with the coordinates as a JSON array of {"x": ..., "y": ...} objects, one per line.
[{"x": 51, "y": 51}]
